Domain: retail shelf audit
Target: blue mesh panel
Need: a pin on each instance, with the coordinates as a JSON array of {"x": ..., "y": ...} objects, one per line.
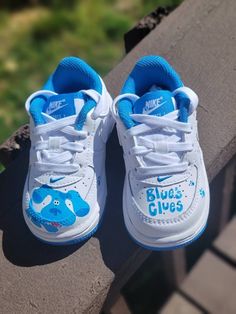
[{"x": 72, "y": 75}]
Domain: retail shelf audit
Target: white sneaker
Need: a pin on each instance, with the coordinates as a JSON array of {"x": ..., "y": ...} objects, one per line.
[
  {"x": 70, "y": 120},
  {"x": 166, "y": 193}
]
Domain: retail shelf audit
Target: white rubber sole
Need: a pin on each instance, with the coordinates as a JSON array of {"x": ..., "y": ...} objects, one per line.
[{"x": 170, "y": 242}]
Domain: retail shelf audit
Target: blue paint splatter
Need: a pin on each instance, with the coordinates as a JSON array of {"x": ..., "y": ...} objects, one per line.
[{"x": 202, "y": 192}]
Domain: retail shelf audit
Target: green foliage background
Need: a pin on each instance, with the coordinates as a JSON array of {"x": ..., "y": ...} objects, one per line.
[{"x": 36, "y": 34}]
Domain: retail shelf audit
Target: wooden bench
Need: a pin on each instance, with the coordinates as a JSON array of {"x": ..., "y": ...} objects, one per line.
[
  {"x": 210, "y": 286},
  {"x": 198, "y": 38}
]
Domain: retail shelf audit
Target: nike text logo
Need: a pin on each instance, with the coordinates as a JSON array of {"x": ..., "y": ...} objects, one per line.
[
  {"x": 53, "y": 180},
  {"x": 152, "y": 105},
  {"x": 56, "y": 105},
  {"x": 160, "y": 179}
]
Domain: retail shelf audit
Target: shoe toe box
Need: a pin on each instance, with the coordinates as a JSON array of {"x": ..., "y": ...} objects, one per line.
[
  {"x": 55, "y": 214},
  {"x": 163, "y": 209}
]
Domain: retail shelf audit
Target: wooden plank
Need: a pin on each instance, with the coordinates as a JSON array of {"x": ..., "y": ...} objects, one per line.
[
  {"x": 227, "y": 194},
  {"x": 201, "y": 46},
  {"x": 120, "y": 307},
  {"x": 221, "y": 190},
  {"x": 178, "y": 304},
  {"x": 212, "y": 283},
  {"x": 225, "y": 243},
  {"x": 174, "y": 266}
]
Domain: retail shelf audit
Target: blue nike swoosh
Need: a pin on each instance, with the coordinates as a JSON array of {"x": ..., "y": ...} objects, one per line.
[
  {"x": 163, "y": 178},
  {"x": 53, "y": 180}
]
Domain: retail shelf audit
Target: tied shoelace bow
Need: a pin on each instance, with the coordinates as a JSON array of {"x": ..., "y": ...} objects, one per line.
[
  {"x": 162, "y": 150},
  {"x": 58, "y": 152}
]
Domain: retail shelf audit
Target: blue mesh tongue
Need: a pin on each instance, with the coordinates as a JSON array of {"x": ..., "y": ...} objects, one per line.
[
  {"x": 156, "y": 103},
  {"x": 62, "y": 105}
]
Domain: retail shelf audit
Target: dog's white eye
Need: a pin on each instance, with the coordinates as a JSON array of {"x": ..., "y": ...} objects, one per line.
[{"x": 56, "y": 202}]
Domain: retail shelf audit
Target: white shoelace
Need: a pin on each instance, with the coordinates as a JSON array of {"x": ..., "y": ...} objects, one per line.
[
  {"x": 57, "y": 152},
  {"x": 161, "y": 150}
]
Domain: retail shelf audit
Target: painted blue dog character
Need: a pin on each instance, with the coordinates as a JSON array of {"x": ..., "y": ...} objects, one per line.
[{"x": 56, "y": 214}]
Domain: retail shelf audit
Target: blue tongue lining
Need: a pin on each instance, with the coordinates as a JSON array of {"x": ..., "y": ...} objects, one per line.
[{"x": 157, "y": 103}]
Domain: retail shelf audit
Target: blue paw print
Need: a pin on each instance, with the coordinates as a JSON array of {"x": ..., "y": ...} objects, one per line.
[{"x": 202, "y": 192}]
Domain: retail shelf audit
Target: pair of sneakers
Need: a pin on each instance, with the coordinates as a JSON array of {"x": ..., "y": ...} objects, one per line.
[{"x": 166, "y": 194}]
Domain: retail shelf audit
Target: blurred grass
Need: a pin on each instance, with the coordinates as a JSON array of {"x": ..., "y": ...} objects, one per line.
[{"x": 34, "y": 38}]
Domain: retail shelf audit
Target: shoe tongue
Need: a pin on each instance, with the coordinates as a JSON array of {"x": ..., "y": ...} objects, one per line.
[
  {"x": 63, "y": 105},
  {"x": 155, "y": 103}
]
